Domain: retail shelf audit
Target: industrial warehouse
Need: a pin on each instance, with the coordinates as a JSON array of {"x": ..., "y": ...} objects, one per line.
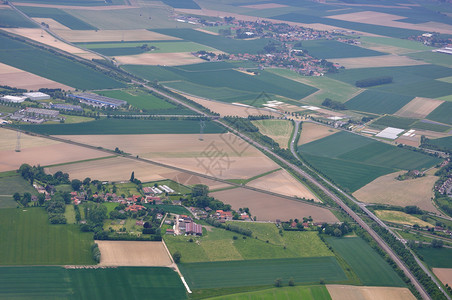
[{"x": 97, "y": 100}]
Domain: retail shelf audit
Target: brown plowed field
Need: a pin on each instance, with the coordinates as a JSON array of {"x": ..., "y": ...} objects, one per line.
[
  {"x": 349, "y": 292},
  {"x": 418, "y": 108},
  {"x": 133, "y": 253},
  {"x": 269, "y": 208},
  {"x": 311, "y": 132}
]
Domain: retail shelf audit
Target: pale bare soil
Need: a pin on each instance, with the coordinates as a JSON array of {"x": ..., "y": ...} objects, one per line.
[
  {"x": 206, "y": 31},
  {"x": 377, "y": 61},
  {"x": 445, "y": 275},
  {"x": 133, "y": 253},
  {"x": 8, "y": 140},
  {"x": 112, "y": 35},
  {"x": 311, "y": 132},
  {"x": 414, "y": 141},
  {"x": 52, "y": 23},
  {"x": 269, "y": 208},
  {"x": 220, "y": 155},
  {"x": 388, "y": 190},
  {"x": 43, "y": 37},
  {"x": 161, "y": 59},
  {"x": 349, "y": 292},
  {"x": 227, "y": 109},
  {"x": 111, "y": 7},
  {"x": 282, "y": 182},
  {"x": 418, "y": 108},
  {"x": 265, "y": 5},
  {"x": 400, "y": 217},
  {"x": 21, "y": 79},
  {"x": 383, "y": 19},
  {"x": 45, "y": 155}
]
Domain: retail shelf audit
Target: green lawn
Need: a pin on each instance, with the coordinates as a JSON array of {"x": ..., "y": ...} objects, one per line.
[
  {"x": 371, "y": 269},
  {"x": 279, "y": 130},
  {"x": 327, "y": 49},
  {"x": 442, "y": 113},
  {"x": 352, "y": 161},
  {"x": 328, "y": 88},
  {"x": 433, "y": 58},
  {"x": 33, "y": 241},
  {"x": 219, "y": 81},
  {"x": 139, "y": 99},
  {"x": 378, "y": 102},
  {"x": 52, "y": 66},
  {"x": 317, "y": 292},
  {"x": 70, "y": 214},
  {"x": 261, "y": 272},
  {"x": 125, "y": 126},
  {"x": 90, "y": 284},
  {"x": 10, "y": 18},
  {"x": 11, "y": 182},
  {"x": 394, "y": 42},
  {"x": 58, "y": 15},
  {"x": 437, "y": 258},
  {"x": 218, "y": 244}
]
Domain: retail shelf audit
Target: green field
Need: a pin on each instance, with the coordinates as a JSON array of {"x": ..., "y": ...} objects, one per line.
[
  {"x": 132, "y": 48},
  {"x": 432, "y": 58},
  {"x": 415, "y": 81},
  {"x": 394, "y": 42},
  {"x": 146, "y": 101},
  {"x": 90, "y": 284},
  {"x": 218, "y": 244},
  {"x": 11, "y": 182},
  {"x": 431, "y": 126},
  {"x": 126, "y": 126},
  {"x": 371, "y": 269},
  {"x": 58, "y": 15},
  {"x": 328, "y": 88},
  {"x": 326, "y": 49},
  {"x": 352, "y": 161},
  {"x": 12, "y": 19},
  {"x": 231, "y": 46},
  {"x": 393, "y": 121},
  {"x": 182, "y": 4},
  {"x": 279, "y": 130},
  {"x": 33, "y": 241},
  {"x": 378, "y": 102},
  {"x": 443, "y": 142},
  {"x": 286, "y": 293},
  {"x": 261, "y": 272},
  {"x": 220, "y": 82},
  {"x": 442, "y": 113},
  {"x": 436, "y": 258},
  {"x": 51, "y": 66},
  {"x": 74, "y": 2}
]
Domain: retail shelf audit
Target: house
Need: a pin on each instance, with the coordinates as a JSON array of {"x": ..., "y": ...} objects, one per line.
[
  {"x": 139, "y": 223},
  {"x": 147, "y": 190},
  {"x": 223, "y": 215},
  {"x": 193, "y": 228},
  {"x": 169, "y": 231},
  {"x": 135, "y": 208}
]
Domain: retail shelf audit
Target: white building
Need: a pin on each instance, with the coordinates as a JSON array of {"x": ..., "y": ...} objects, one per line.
[
  {"x": 13, "y": 99},
  {"x": 37, "y": 96}
]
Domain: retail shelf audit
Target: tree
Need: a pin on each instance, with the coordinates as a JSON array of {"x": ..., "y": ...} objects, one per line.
[
  {"x": 76, "y": 184},
  {"x": 86, "y": 181},
  {"x": 132, "y": 176},
  {"x": 200, "y": 190},
  {"x": 177, "y": 257},
  {"x": 41, "y": 199},
  {"x": 291, "y": 282},
  {"x": 16, "y": 196},
  {"x": 278, "y": 282},
  {"x": 437, "y": 243},
  {"x": 337, "y": 232}
]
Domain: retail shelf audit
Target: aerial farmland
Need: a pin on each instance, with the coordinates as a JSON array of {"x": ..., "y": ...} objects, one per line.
[{"x": 207, "y": 149}]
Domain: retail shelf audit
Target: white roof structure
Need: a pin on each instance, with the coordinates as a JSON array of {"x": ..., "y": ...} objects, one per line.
[
  {"x": 37, "y": 96},
  {"x": 335, "y": 118},
  {"x": 390, "y": 133},
  {"x": 14, "y": 99}
]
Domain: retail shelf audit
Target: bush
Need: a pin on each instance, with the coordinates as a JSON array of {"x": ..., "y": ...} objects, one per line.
[
  {"x": 177, "y": 257},
  {"x": 95, "y": 252},
  {"x": 278, "y": 282}
]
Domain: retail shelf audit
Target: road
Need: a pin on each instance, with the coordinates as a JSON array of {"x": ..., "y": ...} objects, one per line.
[{"x": 336, "y": 199}]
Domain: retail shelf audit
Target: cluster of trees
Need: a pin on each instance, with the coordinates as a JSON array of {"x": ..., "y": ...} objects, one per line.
[
  {"x": 333, "y": 104},
  {"x": 337, "y": 230},
  {"x": 57, "y": 206},
  {"x": 25, "y": 199},
  {"x": 409, "y": 260},
  {"x": 95, "y": 252},
  {"x": 230, "y": 227},
  {"x": 373, "y": 81},
  {"x": 32, "y": 173},
  {"x": 200, "y": 198}
]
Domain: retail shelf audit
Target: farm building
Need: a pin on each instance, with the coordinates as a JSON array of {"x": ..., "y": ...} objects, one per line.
[
  {"x": 13, "y": 99},
  {"x": 193, "y": 228},
  {"x": 68, "y": 107},
  {"x": 36, "y": 96},
  {"x": 40, "y": 112},
  {"x": 97, "y": 100}
]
